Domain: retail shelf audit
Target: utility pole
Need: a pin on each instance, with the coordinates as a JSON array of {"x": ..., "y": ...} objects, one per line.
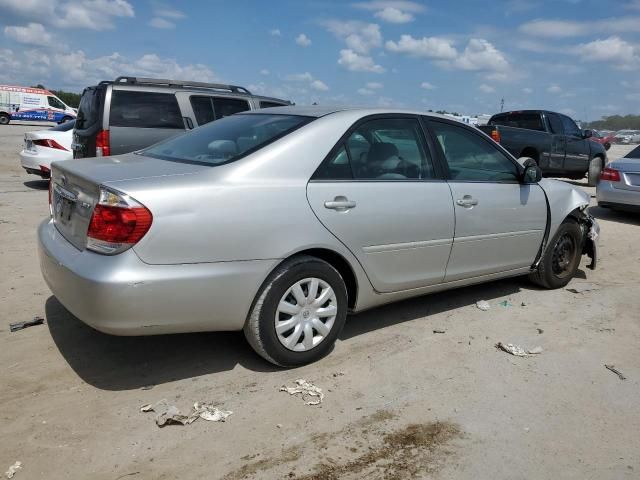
[{"x": 502, "y": 104}]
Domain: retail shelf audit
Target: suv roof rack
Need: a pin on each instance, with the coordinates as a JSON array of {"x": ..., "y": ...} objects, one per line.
[{"x": 180, "y": 83}]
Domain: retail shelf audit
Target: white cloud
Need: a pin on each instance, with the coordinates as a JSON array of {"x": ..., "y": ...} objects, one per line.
[
  {"x": 358, "y": 63},
  {"x": 359, "y": 36},
  {"x": 275, "y": 32},
  {"x": 319, "y": 86},
  {"x": 32, "y": 34},
  {"x": 30, "y": 9},
  {"x": 620, "y": 53},
  {"x": 303, "y": 40},
  {"x": 264, "y": 72},
  {"x": 162, "y": 23},
  {"x": 480, "y": 54},
  {"x": 569, "y": 28},
  {"x": 555, "y": 89},
  {"x": 393, "y": 15},
  {"x": 365, "y": 91},
  {"x": 429, "y": 47},
  {"x": 374, "y": 85},
  {"x": 427, "y": 86},
  {"x": 527, "y": 91},
  {"x": 486, "y": 88}
]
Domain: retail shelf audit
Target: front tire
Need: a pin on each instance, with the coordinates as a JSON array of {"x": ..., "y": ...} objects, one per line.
[
  {"x": 561, "y": 260},
  {"x": 298, "y": 313},
  {"x": 595, "y": 168}
]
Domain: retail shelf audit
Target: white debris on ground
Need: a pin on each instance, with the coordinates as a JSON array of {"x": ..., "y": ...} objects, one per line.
[
  {"x": 170, "y": 414},
  {"x": 517, "y": 350},
  {"x": 13, "y": 469},
  {"x": 306, "y": 390},
  {"x": 483, "y": 305},
  {"x": 582, "y": 287}
]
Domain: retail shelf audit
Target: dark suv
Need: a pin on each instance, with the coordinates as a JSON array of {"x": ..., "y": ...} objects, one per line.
[{"x": 131, "y": 113}]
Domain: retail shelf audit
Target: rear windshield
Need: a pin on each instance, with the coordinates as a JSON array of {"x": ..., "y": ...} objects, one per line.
[
  {"x": 227, "y": 139},
  {"x": 635, "y": 153},
  {"x": 530, "y": 121},
  {"x": 89, "y": 108},
  {"x": 64, "y": 127}
]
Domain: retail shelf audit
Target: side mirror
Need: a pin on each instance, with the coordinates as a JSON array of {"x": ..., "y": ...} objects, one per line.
[
  {"x": 587, "y": 133},
  {"x": 532, "y": 174}
]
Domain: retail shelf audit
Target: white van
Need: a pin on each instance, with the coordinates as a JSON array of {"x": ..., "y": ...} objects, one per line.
[{"x": 33, "y": 104}]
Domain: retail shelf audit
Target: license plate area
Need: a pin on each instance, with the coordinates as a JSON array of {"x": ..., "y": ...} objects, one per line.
[
  {"x": 63, "y": 205},
  {"x": 28, "y": 145}
]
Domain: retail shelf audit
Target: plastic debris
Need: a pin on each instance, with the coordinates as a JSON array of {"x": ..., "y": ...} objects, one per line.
[
  {"x": 306, "y": 390},
  {"x": 13, "y": 469},
  {"x": 583, "y": 287},
  {"x": 170, "y": 414},
  {"x": 616, "y": 371},
  {"x": 14, "y": 327},
  {"x": 439, "y": 331},
  {"x": 483, "y": 305},
  {"x": 517, "y": 350},
  {"x": 505, "y": 304}
]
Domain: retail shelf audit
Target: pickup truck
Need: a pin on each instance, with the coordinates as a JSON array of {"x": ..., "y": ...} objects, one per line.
[{"x": 553, "y": 140}]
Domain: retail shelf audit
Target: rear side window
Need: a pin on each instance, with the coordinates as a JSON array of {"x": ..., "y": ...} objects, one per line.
[
  {"x": 472, "y": 158},
  {"x": 530, "y": 121},
  {"x": 226, "y": 140},
  {"x": 202, "y": 109},
  {"x": 145, "y": 110},
  {"x": 228, "y": 106},
  {"x": 265, "y": 104},
  {"x": 89, "y": 108},
  {"x": 555, "y": 123}
]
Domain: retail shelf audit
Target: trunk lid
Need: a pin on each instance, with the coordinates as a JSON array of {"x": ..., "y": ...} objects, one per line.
[
  {"x": 75, "y": 187},
  {"x": 629, "y": 169}
]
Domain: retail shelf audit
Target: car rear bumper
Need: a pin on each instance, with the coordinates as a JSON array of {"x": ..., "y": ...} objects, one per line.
[
  {"x": 608, "y": 195},
  {"x": 122, "y": 295}
]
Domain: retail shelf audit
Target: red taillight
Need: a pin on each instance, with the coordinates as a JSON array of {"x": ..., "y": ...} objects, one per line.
[
  {"x": 49, "y": 143},
  {"x": 610, "y": 174},
  {"x": 118, "y": 222},
  {"x": 103, "y": 147},
  {"x": 495, "y": 135}
]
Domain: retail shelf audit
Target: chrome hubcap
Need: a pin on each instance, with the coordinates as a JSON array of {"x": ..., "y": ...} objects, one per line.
[{"x": 305, "y": 315}]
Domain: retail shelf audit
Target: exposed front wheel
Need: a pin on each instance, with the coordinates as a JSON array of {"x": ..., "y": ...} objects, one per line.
[
  {"x": 4, "y": 119},
  {"x": 595, "y": 168},
  {"x": 561, "y": 258},
  {"x": 299, "y": 312}
]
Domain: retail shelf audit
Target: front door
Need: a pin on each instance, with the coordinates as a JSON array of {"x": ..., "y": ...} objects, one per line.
[
  {"x": 500, "y": 222},
  {"x": 578, "y": 151},
  {"x": 380, "y": 193}
]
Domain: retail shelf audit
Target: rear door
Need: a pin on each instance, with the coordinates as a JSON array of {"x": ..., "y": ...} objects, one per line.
[
  {"x": 138, "y": 119},
  {"x": 382, "y": 195},
  {"x": 577, "y": 149},
  {"x": 499, "y": 222}
]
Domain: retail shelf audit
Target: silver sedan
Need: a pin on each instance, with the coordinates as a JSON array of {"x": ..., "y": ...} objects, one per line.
[
  {"x": 619, "y": 183},
  {"x": 279, "y": 222}
]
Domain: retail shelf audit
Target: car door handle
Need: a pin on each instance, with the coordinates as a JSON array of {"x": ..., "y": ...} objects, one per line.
[
  {"x": 340, "y": 204},
  {"x": 467, "y": 201}
]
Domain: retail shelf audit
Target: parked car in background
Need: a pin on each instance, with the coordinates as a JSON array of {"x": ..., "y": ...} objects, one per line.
[
  {"x": 32, "y": 104},
  {"x": 45, "y": 146},
  {"x": 552, "y": 140},
  {"x": 619, "y": 185},
  {"x": 131, "y": 113},
  {"x": 603, "y": 137},
  {"x": 627, "y": 137},
  {"x": 270, "y": 222}
]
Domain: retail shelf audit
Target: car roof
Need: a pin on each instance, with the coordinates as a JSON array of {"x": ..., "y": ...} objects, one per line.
[{"x": 317, "y": 111}]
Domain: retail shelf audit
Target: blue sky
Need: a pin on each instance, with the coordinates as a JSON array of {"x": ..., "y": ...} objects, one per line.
[{"x": 581, "y": 57}]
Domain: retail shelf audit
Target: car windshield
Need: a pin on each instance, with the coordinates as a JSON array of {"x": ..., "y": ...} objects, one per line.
[
  {"x": 635, "y": 153},
  {"x": 227, "y": 139}
]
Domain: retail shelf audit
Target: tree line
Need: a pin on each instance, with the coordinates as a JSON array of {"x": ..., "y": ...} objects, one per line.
[
  {"x": 616, "y": 122},
  {"x": 70, "y": 98}
]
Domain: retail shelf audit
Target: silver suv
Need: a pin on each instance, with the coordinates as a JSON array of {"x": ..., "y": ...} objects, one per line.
[{"x": 131, "y": 113}]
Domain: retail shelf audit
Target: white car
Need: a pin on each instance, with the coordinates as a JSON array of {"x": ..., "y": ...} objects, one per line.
[{"x": 45, "y": 146}]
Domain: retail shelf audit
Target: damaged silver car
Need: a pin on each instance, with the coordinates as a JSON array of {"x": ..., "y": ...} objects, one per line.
[{"x": 280, "y": 222}]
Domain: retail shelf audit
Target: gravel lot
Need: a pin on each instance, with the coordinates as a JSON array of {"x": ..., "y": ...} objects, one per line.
[{"x": 401, "y": 402}]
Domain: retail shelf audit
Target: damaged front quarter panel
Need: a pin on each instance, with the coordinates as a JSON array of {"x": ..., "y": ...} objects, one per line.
[{"x": 568, "y": 201}]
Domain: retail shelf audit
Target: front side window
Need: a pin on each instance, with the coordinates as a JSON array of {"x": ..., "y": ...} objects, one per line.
[
  {"x": 555, "y": 123},
  {"x": 570, "y": 127},
  {"x": 226, "y": 140},
  {"x": 228, "y": 106},
  {"x": 55, "y": 103},
  {"x": 381, "y": 149},
  {"x": 472, "y": 158},
  {"x": 145, "y": 110}
]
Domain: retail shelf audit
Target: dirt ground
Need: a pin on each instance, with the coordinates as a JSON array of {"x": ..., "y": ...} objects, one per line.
[{"x": 401, "y": 401}]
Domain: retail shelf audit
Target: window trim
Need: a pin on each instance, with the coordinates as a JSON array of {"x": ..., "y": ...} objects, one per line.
[
  {"x": 439, "y": 174},
  {"x": 481, "y": 135}
]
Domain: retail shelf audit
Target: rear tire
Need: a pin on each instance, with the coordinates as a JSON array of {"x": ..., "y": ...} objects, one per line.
[
  {"x": 4, "y": 119},
  {"x": 290, "y": 329},
  {"x": 595, "y": 167},
  {"x": 562, "y": 257}
]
